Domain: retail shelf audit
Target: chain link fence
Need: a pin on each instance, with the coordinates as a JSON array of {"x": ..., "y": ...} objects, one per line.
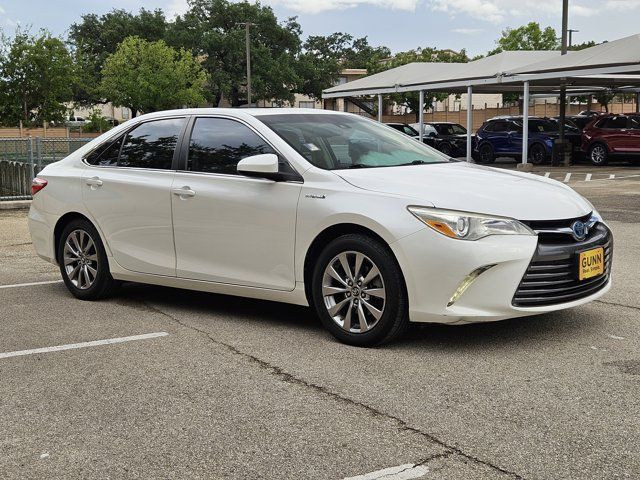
[{"x": 22, "y": 158}]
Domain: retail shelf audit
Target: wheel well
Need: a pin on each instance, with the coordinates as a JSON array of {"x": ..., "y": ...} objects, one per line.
[
  {"x": 485, "y": 142},
  {"x": 538, "y": 144},
  {"x": 599, "y": 142},
  {"x": 327, "y": 235},
  {"x": 63, "y": 221}
]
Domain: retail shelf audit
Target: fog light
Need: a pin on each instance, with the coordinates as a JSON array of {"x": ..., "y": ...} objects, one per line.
[{"x": 466, "y": 283}]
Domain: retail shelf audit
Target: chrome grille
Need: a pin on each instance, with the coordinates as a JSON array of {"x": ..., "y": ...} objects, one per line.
[{"x": 552, "y": 275}]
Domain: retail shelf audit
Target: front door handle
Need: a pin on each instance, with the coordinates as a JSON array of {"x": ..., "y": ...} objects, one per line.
[
  {"x": 94, "y": 182},
  {"x": 184, "y": 192}
]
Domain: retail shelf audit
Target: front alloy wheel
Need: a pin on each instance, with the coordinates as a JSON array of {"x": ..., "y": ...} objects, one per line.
[
  {"x": 358, "y": 291},
  {"x": 353, "y": 291},
  {"x": 598, "y": 155}
]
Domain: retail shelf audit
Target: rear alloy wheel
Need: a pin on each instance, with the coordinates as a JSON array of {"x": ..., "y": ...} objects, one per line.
[
  {"x": 486, "y": 153},
  {"x": 598, "y": 154},
  {"x": 83, "y": 262},
  {"x": 358, "y": 291},
  {"x": 537, "y": 154}
]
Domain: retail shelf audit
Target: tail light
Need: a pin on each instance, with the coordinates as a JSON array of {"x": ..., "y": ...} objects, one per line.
[{"x": 37, "y": 185}]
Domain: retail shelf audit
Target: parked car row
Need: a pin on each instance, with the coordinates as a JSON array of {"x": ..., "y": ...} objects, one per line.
[
  {"x": 595, "y": 137},
  {"x": 449, "y": 138}
]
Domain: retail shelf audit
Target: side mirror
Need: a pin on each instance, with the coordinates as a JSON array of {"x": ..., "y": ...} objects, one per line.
[
  {"x": 262, "y": 166},
  {"x": 432, "y": 134}
]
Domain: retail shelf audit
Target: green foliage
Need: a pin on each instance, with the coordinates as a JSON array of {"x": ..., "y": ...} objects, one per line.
[
  {"x": 411, "y": 99},
  {"x": 148, "y": 76},
  {"x": 36, "y": 78},
  {"x": 527, "y": 37},
  {"x": 211, "y": 32},
  {"x": 324, "y": 57},
  {"x": 96, "y": 37},
  {"x": 97, "y": 122}
]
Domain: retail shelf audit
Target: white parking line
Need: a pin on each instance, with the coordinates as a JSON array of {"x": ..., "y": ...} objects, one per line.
[
  {"x": 71, "y": 346},
  {"x": 31, "y": 284},
  {"x": 401, "y": 472},
  {"x": 546, "y": 174},
  {"x": 612, "y": 176},
  {"x": 567, "y": 177},
  {"x": 588, "y": 177}
]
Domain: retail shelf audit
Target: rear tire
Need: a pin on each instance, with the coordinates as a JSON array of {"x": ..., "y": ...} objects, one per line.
[
  {"x": 366, "y": 305},
  {"x": 537, "y": 154},
  {"x": 486, "y": 153},
  {"x": 598, "y": 155},
  {"x": 83, "y": 262}
]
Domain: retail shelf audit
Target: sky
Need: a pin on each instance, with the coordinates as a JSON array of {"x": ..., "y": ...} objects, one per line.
[{"x": 399, "y": 24}]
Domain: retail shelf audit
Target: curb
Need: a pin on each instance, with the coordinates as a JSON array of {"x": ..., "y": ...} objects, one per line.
[{"x": 15, "y": 205}]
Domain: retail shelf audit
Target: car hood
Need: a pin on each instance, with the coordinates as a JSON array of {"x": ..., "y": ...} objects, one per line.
[{"x": 474, "y": 188}]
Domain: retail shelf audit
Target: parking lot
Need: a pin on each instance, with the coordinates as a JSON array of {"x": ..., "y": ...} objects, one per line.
[{"x": 199, "y": 385}]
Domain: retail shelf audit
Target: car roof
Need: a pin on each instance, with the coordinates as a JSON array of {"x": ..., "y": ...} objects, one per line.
[{"x": 244, "y": 112}]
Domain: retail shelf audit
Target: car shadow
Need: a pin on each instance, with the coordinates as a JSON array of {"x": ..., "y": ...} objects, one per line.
[{"x": 523, "y": 331}]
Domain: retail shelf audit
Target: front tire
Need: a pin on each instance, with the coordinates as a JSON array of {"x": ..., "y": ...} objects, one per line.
[
  {"x": 83, "y": 262},
  {"x": 358, "y": 291},
  {"x": 446, "y": 149},
  {"x": 598, "y": 155},
  {"x": 486, "y": 153}
]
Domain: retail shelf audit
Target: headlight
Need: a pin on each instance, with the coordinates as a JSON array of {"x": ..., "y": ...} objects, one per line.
[{"x": 468, "y": 226}]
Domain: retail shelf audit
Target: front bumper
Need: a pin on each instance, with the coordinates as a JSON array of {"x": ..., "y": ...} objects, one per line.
[{"x": 434, "y": 267}]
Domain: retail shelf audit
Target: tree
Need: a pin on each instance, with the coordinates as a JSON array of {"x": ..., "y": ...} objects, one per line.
[
  {"x": 210, "y": 30},
  {"x": 96, "y": 37},
  {"x": 324, "y": 57},
  {"x": 411, "y": 100},
  {"x": 149, "y": 76},
  {"x": 527, "y": 37},
  {"x": 36, "y": 78}
]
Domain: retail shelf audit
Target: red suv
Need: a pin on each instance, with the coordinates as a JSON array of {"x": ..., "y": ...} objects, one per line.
[{"x": 612, "y": 136}]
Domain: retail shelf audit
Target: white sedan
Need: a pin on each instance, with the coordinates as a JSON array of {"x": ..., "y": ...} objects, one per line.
[{"x": 326, "y": 209}]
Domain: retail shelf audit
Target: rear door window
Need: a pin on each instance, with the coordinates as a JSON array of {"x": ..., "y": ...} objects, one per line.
[{"x": 151, "y": 144}]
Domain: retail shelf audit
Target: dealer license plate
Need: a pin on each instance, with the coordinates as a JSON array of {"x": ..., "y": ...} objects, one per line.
[{"x": 591, "y": 263}]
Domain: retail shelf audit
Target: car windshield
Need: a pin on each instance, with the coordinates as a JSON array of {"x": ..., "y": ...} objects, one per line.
[
  {"x": 335, "y": 141},
  {"x": 450, "y": 129}
]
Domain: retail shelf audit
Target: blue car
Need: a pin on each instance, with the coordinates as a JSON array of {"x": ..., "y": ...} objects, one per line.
[{"x": 502, "y": 137}]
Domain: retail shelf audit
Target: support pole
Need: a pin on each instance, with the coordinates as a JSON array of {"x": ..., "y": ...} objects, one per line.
[
  {"x": 563, "y": 89},
  {"x": 380, "y": 107},
  {"x": 248, "y": 47},
  {"x": 421, "y": 115},
  {"x": 469, "y": 121},
  {"x": 525, "y": 124},
  {"x": 638, "y": 102}
]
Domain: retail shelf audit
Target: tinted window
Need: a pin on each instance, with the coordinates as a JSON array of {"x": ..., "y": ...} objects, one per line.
[
  {"x": 635, "y": 123},
  {"x": 613, "y": 122},
  {"x": 106, "y": 154},
  {"x": 498, "y": 127},
  {"x": 450, "y": 129},
  {"x": 151, "y": 144},
  {"x": 218, "y": 144},
  {"x": 335, "y": 141}
]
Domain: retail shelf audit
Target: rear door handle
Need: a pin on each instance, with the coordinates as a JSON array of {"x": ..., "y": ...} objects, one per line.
[
  {"x": 94, "y": 182},
  {"x": 184, "y": 192}
]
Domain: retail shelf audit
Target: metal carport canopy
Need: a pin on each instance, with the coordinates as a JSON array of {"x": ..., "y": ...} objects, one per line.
[{"x": 614, "y": 64}]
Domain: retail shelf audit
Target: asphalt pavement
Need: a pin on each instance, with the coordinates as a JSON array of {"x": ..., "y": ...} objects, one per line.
[{"x": 235, "y": 388}]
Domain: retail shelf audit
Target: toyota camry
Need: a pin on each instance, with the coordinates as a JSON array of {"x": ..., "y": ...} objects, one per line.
[{"x": 331, "y": 210}]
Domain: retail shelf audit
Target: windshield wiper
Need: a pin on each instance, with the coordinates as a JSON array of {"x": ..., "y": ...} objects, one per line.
[{"x": 358, "y": 165}]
